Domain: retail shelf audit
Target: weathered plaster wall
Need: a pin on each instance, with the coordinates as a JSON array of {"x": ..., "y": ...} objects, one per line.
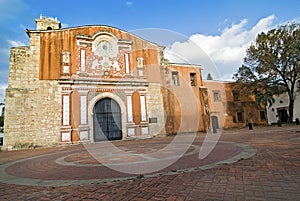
[
  {"x": 245, "y": 104},
  {"x": 183, "y": 103}
]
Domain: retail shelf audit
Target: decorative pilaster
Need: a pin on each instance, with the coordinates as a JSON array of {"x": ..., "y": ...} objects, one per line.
[
  {"x": 83, "y": 127},
  {"x": 130, "y": 124},
  {"x": 144, "y": 123},
  {"x": 82, "y": 60},
  {"x": 66, "y": 110},
  {"x": 137, "y": 120},
  {"x": 143, "y": 108},
  {"x": 66, "y": 127},
  {"x": 129, "y": 108},
  {"x": 127, "y": 67}
]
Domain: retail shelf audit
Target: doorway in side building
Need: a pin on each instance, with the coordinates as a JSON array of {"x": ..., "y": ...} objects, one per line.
[{"x": 283, "y": 115}]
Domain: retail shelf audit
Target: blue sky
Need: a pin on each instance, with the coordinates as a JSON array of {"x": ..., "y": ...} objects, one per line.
[{"x": 221, "y": 29}]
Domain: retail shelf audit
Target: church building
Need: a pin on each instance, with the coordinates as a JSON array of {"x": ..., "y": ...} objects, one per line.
[{"x": 95, "y": 83}]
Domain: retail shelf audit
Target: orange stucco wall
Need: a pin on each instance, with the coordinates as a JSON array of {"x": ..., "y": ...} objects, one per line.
[
  {"x": 55, "y": 41},
  {"x": 183, "y": 103}
]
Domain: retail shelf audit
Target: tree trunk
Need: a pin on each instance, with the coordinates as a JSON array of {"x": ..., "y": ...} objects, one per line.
[
  {"x": 291, "y": 110},
  {"x": 266, "y": 113}
]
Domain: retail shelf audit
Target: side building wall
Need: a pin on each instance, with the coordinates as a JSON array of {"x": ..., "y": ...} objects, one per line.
[
  {"x": 184, "y": 99},
  {"x": 280, "y": 108},
  {"x": 242, "y": 108},
  {"x": 217, "y": 104},
  {"x": 33, "y": 106}
]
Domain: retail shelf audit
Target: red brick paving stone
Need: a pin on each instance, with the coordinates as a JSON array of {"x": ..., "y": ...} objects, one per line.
[
  {"x": 274, "y": 171},
  {"x": 37, "y": 168}
]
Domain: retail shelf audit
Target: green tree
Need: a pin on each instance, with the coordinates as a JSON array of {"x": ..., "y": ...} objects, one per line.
[{"x": 272, "y": 62}]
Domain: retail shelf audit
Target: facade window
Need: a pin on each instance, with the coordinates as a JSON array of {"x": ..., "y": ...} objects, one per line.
[
  {"x": 240, "y": 116},
  {"x": 262, "y": 115},
  {"x": 193, "y": 79},
  {"x": 235, "y": 96},
  {"x": 175, "y": 78},
  {"x": 217, "y": 96},
  {"x": 298, "y": 84}
]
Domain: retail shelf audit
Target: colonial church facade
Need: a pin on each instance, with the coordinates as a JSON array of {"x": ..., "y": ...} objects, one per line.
[{"x": 94, "y": 83}]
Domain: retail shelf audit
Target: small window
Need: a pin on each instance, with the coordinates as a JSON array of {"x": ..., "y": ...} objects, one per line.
[
  {"x": 240, "y": 116},
  {"x": 193, "y": 79},
  {"x": 175, "y": 78},
  {"x": 298, "y": 84},
  {"x": 217, "y": 96},
  {"x": 262, "y": 115},
  {"x": 235, "y": 96}
]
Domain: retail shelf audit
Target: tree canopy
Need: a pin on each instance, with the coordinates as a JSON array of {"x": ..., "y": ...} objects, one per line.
[{"x": 272, "y": 62}]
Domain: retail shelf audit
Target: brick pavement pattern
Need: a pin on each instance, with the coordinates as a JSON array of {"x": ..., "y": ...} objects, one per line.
[{"x": 273, "y": 173}]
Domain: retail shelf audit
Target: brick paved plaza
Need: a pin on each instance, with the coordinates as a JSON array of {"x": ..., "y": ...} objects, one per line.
[{"x": 259, "y": 164}]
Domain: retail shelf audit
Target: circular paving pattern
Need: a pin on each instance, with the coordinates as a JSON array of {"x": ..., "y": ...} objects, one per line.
[{"x": 76, "y": 167}]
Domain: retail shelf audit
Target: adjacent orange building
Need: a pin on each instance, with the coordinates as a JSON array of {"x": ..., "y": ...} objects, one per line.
[{"x": 232, "y": 108}]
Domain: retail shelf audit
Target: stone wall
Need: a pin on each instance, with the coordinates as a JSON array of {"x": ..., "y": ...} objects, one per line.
[
  {"x": 33, "y": 106},
  {"x": 155, "y": 110}
]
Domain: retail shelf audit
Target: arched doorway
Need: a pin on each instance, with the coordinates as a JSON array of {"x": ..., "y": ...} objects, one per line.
[{"x": 107, "y": 121}]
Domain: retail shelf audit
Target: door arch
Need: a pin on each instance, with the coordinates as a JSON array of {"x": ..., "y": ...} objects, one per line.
[{"x": 107, "y": 120}]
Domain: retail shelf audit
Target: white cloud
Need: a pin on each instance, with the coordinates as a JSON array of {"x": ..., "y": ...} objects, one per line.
[
  {"x": 15, "y": 43},
  {"x": 64, "y": 25},
  {"x": 129, "y": 3},
  {"x": 2, "y": 92},
  {"x": 226, "y": 50}
]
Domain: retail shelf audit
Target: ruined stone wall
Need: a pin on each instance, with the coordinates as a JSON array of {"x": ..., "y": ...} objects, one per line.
[{"x": 33, "y": 106}]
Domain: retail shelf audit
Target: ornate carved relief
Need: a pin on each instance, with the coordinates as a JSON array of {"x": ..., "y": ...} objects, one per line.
[{"x": 105, "y": 55}]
